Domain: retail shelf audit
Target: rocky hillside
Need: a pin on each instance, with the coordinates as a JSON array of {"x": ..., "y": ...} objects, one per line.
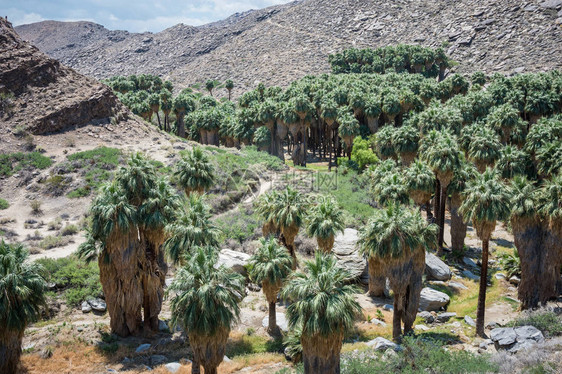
[
  {"x": 40, "y": 95},
  {"x": 282, "y": 43}
]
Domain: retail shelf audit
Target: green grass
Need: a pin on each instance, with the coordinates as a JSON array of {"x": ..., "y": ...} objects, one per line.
[
  {"x": 76, "y": 281},
  {"x": 11, "y": 163},
  {"x": 420, "y": 356},
  {"x": 4, "y": 204},
  {"x": 97, "y": 166},
  {"x": 79, "y": 192},
  {"x": 239, "y": 345},
  {"x": 101, "y": 155},
  {"x": 238, "y": 225}
]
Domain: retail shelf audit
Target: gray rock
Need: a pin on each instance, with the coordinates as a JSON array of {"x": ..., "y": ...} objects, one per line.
[
  {"x": 381, "y": 344},
  {"x": 503, "y": 337},
  {"x": 445, "y": 317},
  {"x": 388, "y": 307},
  {"x": 226, "y": 359},
  {"x": 156, "y": 360},
  {"x": 469, "y": 262},
  {"x": 86, "y": 308},
  {"x": 163, "y": 326},
  {"x": 500, "y": 276},
  {"x": 98, "y": 305},
  {"x": 485, "y": 343},
  {"x": 470, "y": 275},
  {"x": 348, "y": 256},
  {"x": 427, "y": 316},
  {"x": 378, "y": 322},
  {"x": 492, "y": 325},
  {"x": 457, "y": 286},
  {"x": 234, "y": 260},
  {"x": 529, "y": 333},
  {"x": 514, "y": 280},
  {"x": 469, "y": 321},
  {"x": 431, "y": 299},
  {"x": 282, "y": 322},
  {"x": 551, "y": 4},
  {"x": 436, "y": 269},
  {"x": 142, "y": 348},
  {"x": 421, "y": 327},
  {"x": 173, "y": 367}
]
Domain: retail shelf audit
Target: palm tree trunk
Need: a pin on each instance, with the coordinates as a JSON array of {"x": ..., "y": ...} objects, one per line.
[
  {"x": 272, "y": 318},
  {"x": 442, "y": 201},
  {"x": 195, "y": 366},
  {"x": 458, "y": 226},
  {"x": 10, "y": 351},
  {"x": 377, "y": 281},
  {"x": 321, "y": 355},
  {"x": 482, "y": 291},
  {"x": 437, "y": 200},
  {"x": 159, "y": 123},
  {"x": 397, "y": 317},
  {"x": 181, "y": 125}
]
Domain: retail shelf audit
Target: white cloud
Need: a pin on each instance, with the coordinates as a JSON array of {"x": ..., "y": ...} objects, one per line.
[{"x": 18, "y": 17}]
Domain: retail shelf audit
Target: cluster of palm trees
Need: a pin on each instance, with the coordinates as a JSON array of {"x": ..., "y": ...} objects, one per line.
[{"x": 400, "y": 58}]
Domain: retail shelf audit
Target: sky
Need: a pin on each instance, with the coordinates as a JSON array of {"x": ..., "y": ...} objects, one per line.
[{"x": 134, "y": 16}]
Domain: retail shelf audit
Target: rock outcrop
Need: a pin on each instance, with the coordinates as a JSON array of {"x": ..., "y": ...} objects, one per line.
[
  {"x": 45, "y": 96},
  {"x": 433, "y": 300},
  {"x": 281, "y": 43},
  {"x": 348, "y": 257}
]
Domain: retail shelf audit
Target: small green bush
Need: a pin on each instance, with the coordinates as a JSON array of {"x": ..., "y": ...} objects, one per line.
[
  {"x": 36, "y": 206},
  {"x": 52, "y": 241},
  {"x": 74, "y": 279},
  {"x": 11, "y": 163},
  {"x": 4, "y": 204},
  {"x": 69, "y": 230},
  {"x": 362, "y": 153},
  {"x": 511, "y": 264},
  {"x": 101, "y": 155},
  {"x": 79, "y": 192}
]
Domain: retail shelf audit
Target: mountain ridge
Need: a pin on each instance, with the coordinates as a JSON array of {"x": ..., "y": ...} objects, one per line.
[{"x": 285, "y": 42}]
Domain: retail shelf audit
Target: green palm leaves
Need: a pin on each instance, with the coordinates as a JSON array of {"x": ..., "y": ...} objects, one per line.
[
  {"x": 22, "y": 289},
  {"x": 194, "y": 172},
  {"x": 323, "y": 302},
  {"x": 324, "y": 221}
]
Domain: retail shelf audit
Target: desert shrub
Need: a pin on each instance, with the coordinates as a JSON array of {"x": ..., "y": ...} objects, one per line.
[
  {"x": 547, "y": 321},
  {"x": 362, "y": 153},
  {"x": 55, "y": 224},
  {"x": 69, "y": 229},
  {"x": 53, "y": 241},
  {"x": 79, "y": 192},
  {"x": 419, "y": 356},
  {"x": 11, "y": 163},
  {"x": 74, "y": 279},
  {"x": 35, "y": 206},
  {"x": 238, "y": 225},
  {"x": 4, "y": 204},
  {"x": 511, "y": 263}
]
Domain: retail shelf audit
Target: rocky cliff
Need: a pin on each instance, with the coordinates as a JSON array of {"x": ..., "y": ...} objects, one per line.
[
  {"x": 40, "y": 95},
  {"x": 281, "y": 43}
]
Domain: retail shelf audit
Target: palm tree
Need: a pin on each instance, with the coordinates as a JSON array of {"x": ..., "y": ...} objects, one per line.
[
  {"x": 484, "y": 148},
  {"x": 324, "y": 307},
  {"x": 194, "y": 172},
  {"x": 154, "y": 102},
  {"x": 444, "y": 158},
  {"x": 287, "y": 212},
  {"x": 486, "y": 202},
  {"x": 270, "y": 266},
  {"x": 405, "y": 142},
  {"x": 183, "y": 103},
  {"x": 126, "y": 235},
  {"x": 209, "y": 85},
  {"x": 192, "y": 227},
  {"x": 420, "y": 182},
  {"x": 324, "y": 221},
  {"x": 396, "y": 238},
  {"x": 457, "y": 188},
  {"x": 22, "y": 289},
  {"x": 205, "y": 304},
  {"x": 229, "y": 85},
  {"x": 391, "y": 187}
]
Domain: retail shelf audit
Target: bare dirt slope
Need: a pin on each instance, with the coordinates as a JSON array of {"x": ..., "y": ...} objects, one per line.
[{"x": 279, "y": 44}]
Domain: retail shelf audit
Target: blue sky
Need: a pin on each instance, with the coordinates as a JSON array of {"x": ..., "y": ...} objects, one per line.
[{"x": 136, "y": 16}]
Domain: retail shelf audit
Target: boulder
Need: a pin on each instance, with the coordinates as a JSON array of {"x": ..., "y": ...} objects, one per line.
[
  {"x": 234, "y": 260},
  {"x": 142, "y": 348},
  {"x": 427, "y": 316},
  {"x": 469, "y": 262},
  {"x": 281, "y": 322},
  {"x": 173, "y": 367},
  {"x": 348, "y": 256},
  {"x": 516, "y": 339},
  {"x": 436, "y": 269},
  {"x": 163, "y": 326},
  {"x": 514, "y": 280},
  {"x": 470, "y": 275},
  {"x": 469, "y": 321},
  {"x": 457, "y": 286},
  {"x": 381, "y": 344},
  {"x": 421, "y": 327},
  {"x": 98, "y": 305},
  {"x": 431, "y": 299},
  {"x": 378, "y": 322},
  {"x": 86, "y": 308},
  {"x": 156, "y": 360},
  {"x": 445, "y": 317}
]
